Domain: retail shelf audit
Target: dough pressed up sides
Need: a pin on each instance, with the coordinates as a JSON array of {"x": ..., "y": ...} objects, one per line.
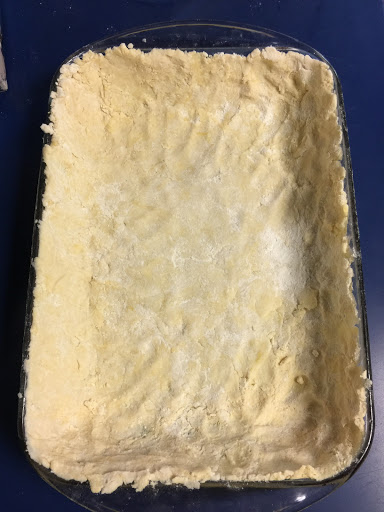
[{"x": 193, "y": 316}]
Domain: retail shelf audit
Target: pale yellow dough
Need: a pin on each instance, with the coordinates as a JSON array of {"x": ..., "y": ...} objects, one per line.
[{"x": 193, "y": 316}]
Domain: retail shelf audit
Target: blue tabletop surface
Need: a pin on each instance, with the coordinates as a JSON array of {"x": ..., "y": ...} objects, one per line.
[{"x": 38, "y": 35}]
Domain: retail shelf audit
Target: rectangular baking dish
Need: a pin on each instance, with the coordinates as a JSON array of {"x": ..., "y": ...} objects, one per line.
[{"x": 213, "y": 37}]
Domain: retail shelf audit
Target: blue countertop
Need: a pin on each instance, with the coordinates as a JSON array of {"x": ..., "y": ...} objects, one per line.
[{"x": 38, "y": 35}]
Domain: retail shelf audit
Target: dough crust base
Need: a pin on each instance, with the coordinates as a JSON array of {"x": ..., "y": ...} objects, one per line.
[{"x": 193, "y": 316}]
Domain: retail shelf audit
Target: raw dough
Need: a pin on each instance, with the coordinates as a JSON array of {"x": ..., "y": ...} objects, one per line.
[{"x": 193, "y": 316}]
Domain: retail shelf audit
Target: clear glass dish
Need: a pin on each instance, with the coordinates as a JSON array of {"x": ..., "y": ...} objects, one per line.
[{"x": 289, "y": 495}]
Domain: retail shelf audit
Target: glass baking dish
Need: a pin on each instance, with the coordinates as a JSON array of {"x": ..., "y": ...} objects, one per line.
[{"x": 288, "y": 495}]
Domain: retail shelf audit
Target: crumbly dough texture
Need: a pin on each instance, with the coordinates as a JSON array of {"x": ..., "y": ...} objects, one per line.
[{"x": 193, "y": 316}]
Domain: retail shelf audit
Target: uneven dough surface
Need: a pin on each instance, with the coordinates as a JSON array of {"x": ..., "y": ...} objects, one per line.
[{"x": 193, "y": 316}]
